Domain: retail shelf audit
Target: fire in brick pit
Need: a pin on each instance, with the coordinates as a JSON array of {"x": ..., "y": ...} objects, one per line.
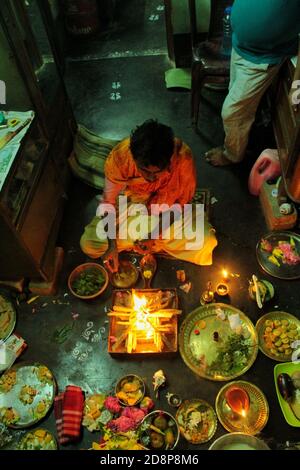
[{"x": 143, "y": 321}]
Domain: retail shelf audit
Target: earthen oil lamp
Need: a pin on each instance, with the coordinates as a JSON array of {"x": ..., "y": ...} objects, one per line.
[
  {"x": 238, "y": 400},
  {"x": 222, "y": 289}
]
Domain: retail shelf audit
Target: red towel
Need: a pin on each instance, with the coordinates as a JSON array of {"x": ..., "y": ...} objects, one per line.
[
  {"x": 68, "y": 409},
  {"x": 58, "y": 413}
]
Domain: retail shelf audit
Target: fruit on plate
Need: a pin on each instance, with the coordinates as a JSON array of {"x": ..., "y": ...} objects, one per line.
[{"x": 279, "y": 336}]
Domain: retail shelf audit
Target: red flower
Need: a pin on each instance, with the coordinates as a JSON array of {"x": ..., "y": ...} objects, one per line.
[
  {"x": 112, "y": 404},
  {"x": 122, "y": 424},
  {"x": 137, "y": 414}
]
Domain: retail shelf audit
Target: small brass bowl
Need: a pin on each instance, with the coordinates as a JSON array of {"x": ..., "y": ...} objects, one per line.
[
  {"x": 125, "y": 387},
  {"x": 126, "y": 277}
]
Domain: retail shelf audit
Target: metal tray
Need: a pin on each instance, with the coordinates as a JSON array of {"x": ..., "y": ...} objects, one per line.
[
  {"x": 261, "y": 326},
  {"x": 255, "y": 419},
  {"x": 284, "y": 271},
  {"x": 200, "y": 350},
  {"x": 197, "y": 421},
  {"x": 26, "y": 374}
]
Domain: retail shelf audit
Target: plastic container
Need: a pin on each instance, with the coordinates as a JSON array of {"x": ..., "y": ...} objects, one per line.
[
  {"x": 227, "y": 32},
  {"x": 266, "y": 167}
]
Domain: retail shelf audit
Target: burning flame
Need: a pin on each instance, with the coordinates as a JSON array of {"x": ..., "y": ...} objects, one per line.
[
  {"x": 225, "y": 274},
  {"x": 141, "y": 322}
]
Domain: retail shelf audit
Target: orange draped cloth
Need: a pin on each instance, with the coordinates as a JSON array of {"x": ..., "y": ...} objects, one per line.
[{"x": 175, "y": 185}]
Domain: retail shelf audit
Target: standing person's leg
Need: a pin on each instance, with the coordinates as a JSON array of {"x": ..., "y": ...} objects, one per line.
[{"x": 248, "y": 84}]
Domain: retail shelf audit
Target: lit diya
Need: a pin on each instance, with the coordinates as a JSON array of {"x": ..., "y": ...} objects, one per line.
[
  {"x": 222, "y": 289},
  {"x": 238, "y": 400}
]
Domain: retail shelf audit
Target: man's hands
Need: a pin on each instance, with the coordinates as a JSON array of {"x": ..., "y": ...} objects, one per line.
[
  {"x": 111, "y": 259},
  {"x": 143, "y": 246}
]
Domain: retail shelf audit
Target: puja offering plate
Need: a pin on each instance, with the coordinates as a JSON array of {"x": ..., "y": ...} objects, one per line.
[
  {"x": 277, "y": 331},
  {"x": 197, "y": 421},
  {"x": 218, "y": 342},
  {"x": 290, "y": 408},
  {"x": 39, "y": 439},
  {"x": 278, "y": 253},
  {"x": 250, "y": 419},
  {"x": 8, "y": 317},
  {"x": 26, "y": 394}
]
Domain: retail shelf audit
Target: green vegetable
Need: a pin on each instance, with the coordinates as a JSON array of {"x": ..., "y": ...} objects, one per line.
[
  {"x": 232, "y": 356},
  {"x": 88, "y": 283}
]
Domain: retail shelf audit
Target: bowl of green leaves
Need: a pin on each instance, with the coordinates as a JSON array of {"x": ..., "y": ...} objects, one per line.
[{"x": 88, "y": 281}]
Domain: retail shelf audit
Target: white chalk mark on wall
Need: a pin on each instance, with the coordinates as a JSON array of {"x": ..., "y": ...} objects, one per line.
[
  {"x": 116, "y": 85},
  {"x": 153, "y": 17},
  {"x": 115, "y": 96}
]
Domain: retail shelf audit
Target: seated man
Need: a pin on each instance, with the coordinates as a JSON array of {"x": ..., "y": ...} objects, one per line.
[
  {"x": 156, "y": 172},
  {"x": 265, "y": 34}
]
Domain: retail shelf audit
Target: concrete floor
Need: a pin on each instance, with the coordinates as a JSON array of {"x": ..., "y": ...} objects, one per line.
[{"x": 124, "y": 55}]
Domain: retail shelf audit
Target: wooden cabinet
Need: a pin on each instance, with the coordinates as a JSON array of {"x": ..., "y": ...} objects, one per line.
[{"x": 33, "y": 195}]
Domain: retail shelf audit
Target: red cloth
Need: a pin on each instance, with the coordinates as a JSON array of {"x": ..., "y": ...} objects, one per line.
[{"x": 68, "y": 409}]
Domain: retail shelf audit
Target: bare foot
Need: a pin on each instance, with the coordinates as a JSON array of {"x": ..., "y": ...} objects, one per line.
[{"x": 216, "y": 157}]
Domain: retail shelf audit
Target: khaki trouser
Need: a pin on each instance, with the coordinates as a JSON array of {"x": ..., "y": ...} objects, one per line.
[
  {"x": 248, "y": 83},
  {"x": 95, "y": 245}
]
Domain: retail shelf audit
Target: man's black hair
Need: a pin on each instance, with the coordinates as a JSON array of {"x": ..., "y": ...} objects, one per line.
[{"x": 152, "y": 144}]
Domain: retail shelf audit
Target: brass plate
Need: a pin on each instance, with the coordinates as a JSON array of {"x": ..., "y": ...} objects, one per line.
[
  {"x": 28, "y": 414},
  {"x": 258, "y": 413},
  {"x": 261, "y": 326},
  {"x": 197, "y": 421},
  {"x": 284, "y": 271},
  {"x": 200, "y": 351}
]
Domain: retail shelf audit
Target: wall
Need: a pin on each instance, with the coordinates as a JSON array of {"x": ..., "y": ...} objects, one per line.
[{"x": 180, "y": 16}]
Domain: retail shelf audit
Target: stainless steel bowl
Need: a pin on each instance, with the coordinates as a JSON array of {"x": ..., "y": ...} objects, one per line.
[
  {"x": 238, "y": 441},
  {"x": 149, "y": 418}
]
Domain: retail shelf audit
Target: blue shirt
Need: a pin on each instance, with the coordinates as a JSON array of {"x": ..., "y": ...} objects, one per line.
[{"x": 265, "y": 31}]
